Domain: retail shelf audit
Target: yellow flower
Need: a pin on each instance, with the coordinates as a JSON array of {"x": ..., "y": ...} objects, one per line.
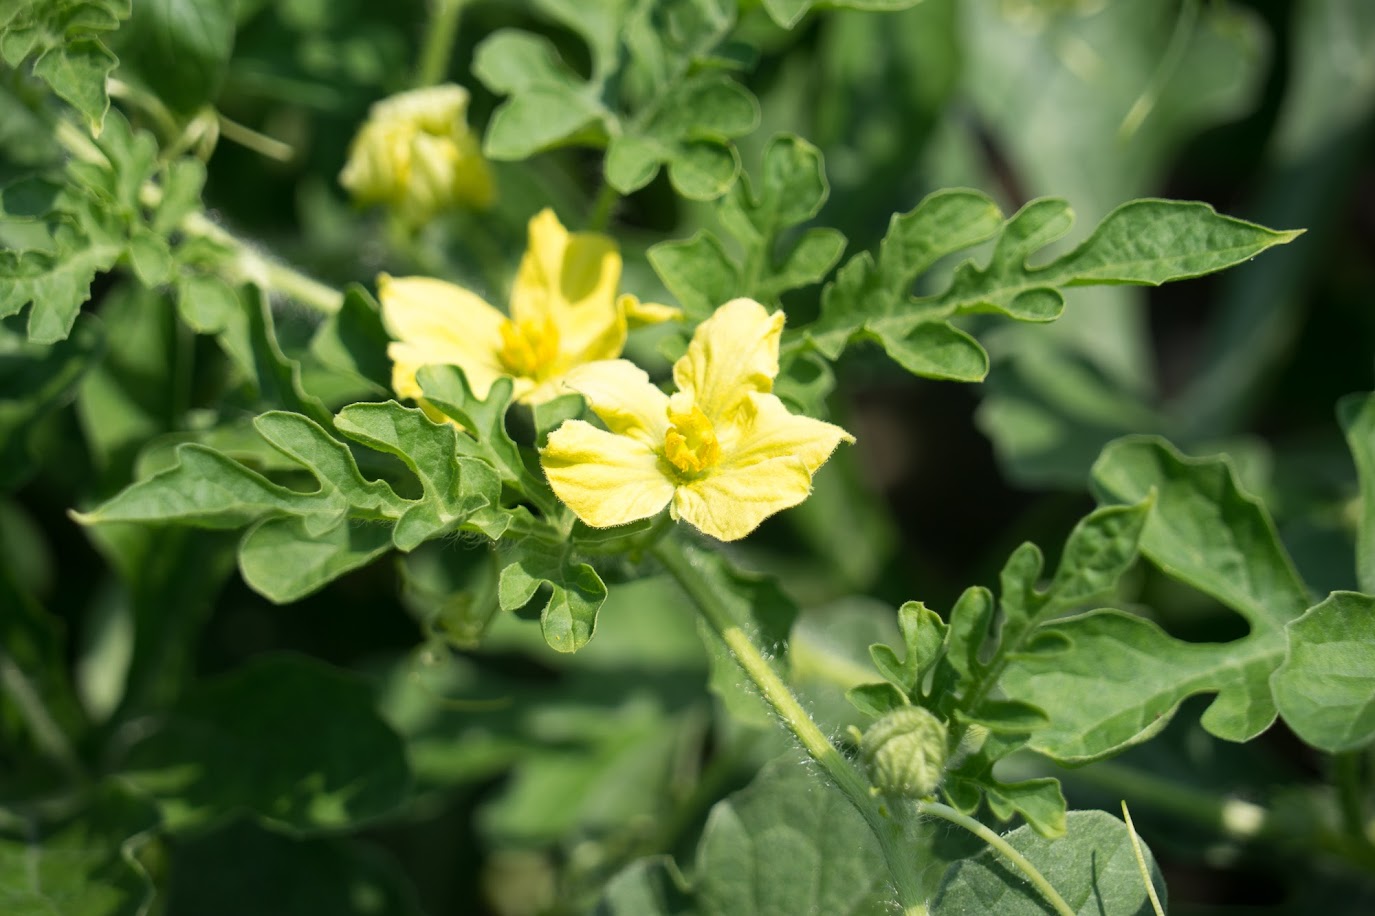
[
  {"x": 564, "y": 312},
  {"x": 723, "y": 453},
  {"x": 416, "y": 155}
]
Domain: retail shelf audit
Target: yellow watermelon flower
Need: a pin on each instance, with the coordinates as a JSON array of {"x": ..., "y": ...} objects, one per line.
[
  {"x": 416, "y": 155},
  {"x": 565, "y": 311},
  {"x": 722, "y": 453}
]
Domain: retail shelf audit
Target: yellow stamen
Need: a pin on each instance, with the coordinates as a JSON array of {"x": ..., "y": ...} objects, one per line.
[
  {"x": 529, "y": 348},
  {"x": 690, "y": 444}
]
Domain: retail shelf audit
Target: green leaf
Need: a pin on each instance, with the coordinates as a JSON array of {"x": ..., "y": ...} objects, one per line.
[
  {"x": 876, "y": 700},
  {"x": 789, "y": 844},
  {"x": 789, "y": 13},
  {"x": 283, "y": 560},
  {"x": 57, "y": 283},
  {"x": 650, "y": 107},
  {"x": 646, "y": 887},
  {"x": 1206, "y": 531},
  {"x": 923, "y": 634},
  {"x": 1142, "y": 242},
  {"x": 1357, "y": 415},
  {"x": 179, "y": 49},
  {"x": 32, "y": 656},
  {"x": 1127, "y": 676},
  {"x": 131, "y": 396},
  {"x": 936, "y": 349},
  {"x": 484, "y": 421},
  {"x": 255, "y": 740},
  {"x": 687, "y": 129},
  {"x": 791, "y": 188},
  {"x": 209, "y": 490},
  {"x": 77, "y": 71},
  {"x": 1150, "y": 242},
  {"x": 206, "y": 302},
  {"x": 1325, "y": 687},
  {"x": 355, "y": 341},
  {"x": 1210, "y": 534},
  {"x": 549, "y": 105},
  {"x": 873, "y": 295},
  {"x": 455, "y": 488},
  {"x": 243, "y": 868},
  {"x": 34, "y": 381},
  {"x": 569, "y": 617},
  {"x": 65, "y": 39},
  {"x": 698, "y": 272},
  {"x": 249, "y": 338},
  {"x": 1039, "y": 801},
  {"x": 85, "y": 863},
  {"x": 1092, "y": 867}
]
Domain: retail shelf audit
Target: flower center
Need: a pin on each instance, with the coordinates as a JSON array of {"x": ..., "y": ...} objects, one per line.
[
  {"x": 690, "y": 444},
  {"x": 528, "y": 347}
]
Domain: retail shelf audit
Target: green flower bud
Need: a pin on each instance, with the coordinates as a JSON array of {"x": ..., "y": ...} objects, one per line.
[{"x": 904, "y": 752}]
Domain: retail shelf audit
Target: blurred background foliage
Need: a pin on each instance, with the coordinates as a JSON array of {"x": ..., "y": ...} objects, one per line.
[{"x": 510, "y": 780}]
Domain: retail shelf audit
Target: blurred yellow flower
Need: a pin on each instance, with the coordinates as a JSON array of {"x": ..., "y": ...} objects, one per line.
[
  {"x": 723, "y": 453},
  {"x": 416, "y": 155},
  {"x": 565, "y": 311}
]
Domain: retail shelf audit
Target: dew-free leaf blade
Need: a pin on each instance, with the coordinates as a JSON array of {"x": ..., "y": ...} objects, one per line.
[
  {"x": 1325, "y": 688},
  {"x": 819, "y": 833},
  {"x": 1205, "y": 530},
  {"x": 576, "y": 592},
  {"x": 1092, "y": 867},
  {"x": 255, "y": 740}
]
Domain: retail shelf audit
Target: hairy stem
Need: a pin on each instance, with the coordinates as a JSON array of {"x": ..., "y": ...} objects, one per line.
[
  {"x": 249, "y": 264},
  {"x": 796, "y": 719},
  {"x": 1005, "y": 849}
]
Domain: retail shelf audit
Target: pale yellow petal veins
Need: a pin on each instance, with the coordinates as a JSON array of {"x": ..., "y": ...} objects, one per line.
[
  {"x": 623, "y": 397},
  {"x": 604, "y": 478},
  {"x": 733, "y": 353},
  {"x": 766, "y": 430},
  {"x": 732, "y": 502}
]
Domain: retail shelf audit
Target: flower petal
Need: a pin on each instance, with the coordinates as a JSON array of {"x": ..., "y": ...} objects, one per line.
[
  {"x": 766, "y": 430},
  {"x": 733, "y": 501},
  {"x": 604, "y": 478},
  {"x": 623, "y": 396},
  {"x": 444, "y": 324},
  {"x": 733, "y": 353},
  {"x": 638, "y": 314},
  {"x": 571, "y": 278}
]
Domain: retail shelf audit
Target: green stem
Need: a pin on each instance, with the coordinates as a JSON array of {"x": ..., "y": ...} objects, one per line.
[
  {"x": 796, "y": 719},
  {"x": 272, "y": 275},
  {"x": 1169, "y": 62},
  {"x": 249, "y": 138},
  {"x": 936, "y": 809},
  {"x": 249, "y": 263},
  {"x": 600, "y": 216},
  {"x": 47, "y": 734},
  {"x": 439, "y": 42},
  {"x": 1347, "y": 773},
  {"x": 1231, "y": 817}
]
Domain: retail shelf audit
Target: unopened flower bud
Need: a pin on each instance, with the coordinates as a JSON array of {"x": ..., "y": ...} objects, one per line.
[
  {"x": 904, "y": 752},
  {"x": 416, "y": 154}
]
